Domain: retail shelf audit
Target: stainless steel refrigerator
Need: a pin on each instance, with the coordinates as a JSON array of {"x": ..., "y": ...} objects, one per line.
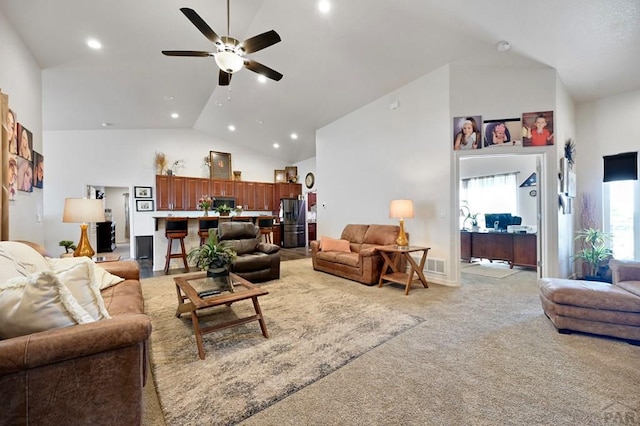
[{"x": 292, "y": 217}]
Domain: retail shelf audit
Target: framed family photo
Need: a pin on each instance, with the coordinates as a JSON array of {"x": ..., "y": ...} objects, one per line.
[
  {"x": 220, "y": 163},
  {"x": 466, "y": 132},
  {"x": 144, "y": 205},
  {"x": 502, "y": 132},
  {"x": 143, "y": 191},
  {"x": 537, "y": 128}
]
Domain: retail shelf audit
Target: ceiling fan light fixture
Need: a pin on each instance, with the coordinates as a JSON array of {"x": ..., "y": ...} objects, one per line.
[{"x": 229, "y": 62}]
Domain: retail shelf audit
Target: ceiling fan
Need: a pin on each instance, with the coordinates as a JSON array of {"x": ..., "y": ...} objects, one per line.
[{"x": 230, "y": 53}]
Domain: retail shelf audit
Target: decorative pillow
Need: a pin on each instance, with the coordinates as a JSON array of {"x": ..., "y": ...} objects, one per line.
[
  {"x": 36, "y": 303},
  {"x": 331, "y": 244},
  {"x": 102, "y": 279},
  {"x": 80, "y": 280},
  {"x": 19, "y": 260}
]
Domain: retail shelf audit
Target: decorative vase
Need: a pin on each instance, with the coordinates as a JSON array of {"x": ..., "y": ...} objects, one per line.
[
  {"x": 220, "y": 277},
  {"x": 206, "y": 212}
]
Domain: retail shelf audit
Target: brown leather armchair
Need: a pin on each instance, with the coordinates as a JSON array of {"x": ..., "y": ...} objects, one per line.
[{"x": 256, "y": 261}]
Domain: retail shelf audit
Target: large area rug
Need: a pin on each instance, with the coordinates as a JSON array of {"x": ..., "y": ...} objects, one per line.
[{"x": 243, "y": 372}]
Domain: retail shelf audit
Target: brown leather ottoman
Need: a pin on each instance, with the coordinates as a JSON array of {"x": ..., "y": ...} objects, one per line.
[{"x": 591, "y": 307}]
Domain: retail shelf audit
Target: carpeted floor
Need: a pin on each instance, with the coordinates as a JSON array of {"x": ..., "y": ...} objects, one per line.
[
  {"x": 480, "y": 354},
  {"x": 489, "y": 269}
]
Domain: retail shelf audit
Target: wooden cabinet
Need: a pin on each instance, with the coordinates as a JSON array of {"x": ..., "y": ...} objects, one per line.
[
  {"x": 105, "y": 236},
  {"x": 194, "y": 189},
  {"x": 223, "y": 188},
  {"x": 170, "y": 192},
  {"x": 286, "y": 190},
  {"x": 245, "y": 193},
  {"x": 311, "y": 200},
  {"x": 311, "y": 230},
  {"x": 517, "y": 249}
]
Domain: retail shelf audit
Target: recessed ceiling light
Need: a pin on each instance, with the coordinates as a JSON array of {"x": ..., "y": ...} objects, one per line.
[
  {"x": 105, "y": 124},
  {"x": 324, "y": 6},
  {"x": 260, "y": 122},
  {"x": 262, "y": 79},
  {"x": 276, "y": 145},
  {"x": 169, "y": 98},
  {"x": 294, "y": 136},
  {"x": 175, "y": 115},
  {"x": 94, "y": 44},
  {"x": 218, "y": 103},
  {"x": 232, "y": 127}
]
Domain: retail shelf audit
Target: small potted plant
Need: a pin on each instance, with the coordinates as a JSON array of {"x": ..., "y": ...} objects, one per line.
[
  {"x": 213, "y": 257},
  {"x": 223, "y": 210},
  {"x": 468, "y": 216},
  {"x": 594, "y": 253},
  {"x": 68, "y": 245}
]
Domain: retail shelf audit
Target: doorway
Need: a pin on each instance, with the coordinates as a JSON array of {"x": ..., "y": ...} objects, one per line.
[
  {"x": 117, "y": 210},
  {"x": 528, "y": 196}
]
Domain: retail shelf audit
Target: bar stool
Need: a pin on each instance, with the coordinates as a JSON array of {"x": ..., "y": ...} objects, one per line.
[
  {"x": 204, "y": 224},
  {"x": 265, "y": 223},
  {"x": 241, "y": 219},
  {"x": 176, "y": 228}
]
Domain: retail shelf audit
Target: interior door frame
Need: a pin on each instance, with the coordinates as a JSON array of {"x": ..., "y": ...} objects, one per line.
[{"x": 541, "y": 194}]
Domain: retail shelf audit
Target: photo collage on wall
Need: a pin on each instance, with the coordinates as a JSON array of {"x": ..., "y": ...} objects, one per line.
[
  {"x": 532, "y": 129},
  {"x": 25, "y": 169}
]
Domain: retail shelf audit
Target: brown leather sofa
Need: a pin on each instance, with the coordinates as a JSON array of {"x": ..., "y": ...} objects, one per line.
[
  {"x": 256, "y": 261},
  {"x": 363, "y": 263},
  {"x": 596, "y": 307},
  {"x": 82, "y": 374}
]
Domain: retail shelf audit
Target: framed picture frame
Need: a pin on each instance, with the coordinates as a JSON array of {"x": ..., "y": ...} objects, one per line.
[
  {"x": 292, "y": 173},
  {"x": 143, "y": 192},
  {"x": 220, "y": 164},
  {"x": 144, "y": 205},
  {"x": 279, "y": 176}
]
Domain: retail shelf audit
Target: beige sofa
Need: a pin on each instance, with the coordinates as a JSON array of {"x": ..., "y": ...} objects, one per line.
[
  {"x": 596, "y": 307},
  {"x": 90, "y": 373},
  {"x": 362, "y": 263}
]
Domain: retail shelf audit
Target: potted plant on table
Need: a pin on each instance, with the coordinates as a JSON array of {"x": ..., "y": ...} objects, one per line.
[
  {"x": 68, "y": 245},
  {"x": 223, "y": 210},
  {"x": 468, "y": 216},
  {"x": 205, "y": 203},
  {"x": 213, "y": 257},
  {"x": 594, "y": 253}
]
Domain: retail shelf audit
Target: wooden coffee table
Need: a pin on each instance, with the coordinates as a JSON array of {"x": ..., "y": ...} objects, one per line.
[{"x": 192, "y": 292}]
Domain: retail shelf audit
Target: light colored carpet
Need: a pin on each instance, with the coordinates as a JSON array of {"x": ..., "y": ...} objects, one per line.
[
  {"x": 485, "y": 354},
  {"x": 313, "y": 329}
]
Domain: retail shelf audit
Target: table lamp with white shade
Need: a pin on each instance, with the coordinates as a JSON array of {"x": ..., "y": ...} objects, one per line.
[
  {"x": 401, "y": 209},
  {"x": 83, "y": 211}
]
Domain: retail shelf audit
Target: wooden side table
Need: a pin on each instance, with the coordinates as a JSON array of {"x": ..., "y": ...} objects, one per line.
[{"x": 393, "y": 256}]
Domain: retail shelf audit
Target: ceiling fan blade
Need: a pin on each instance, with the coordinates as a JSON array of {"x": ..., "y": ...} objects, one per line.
[
  {"x": 201, "y": 25},
  {"x": 260, "y": 41},
  {"x": 257, "y": 67},
  {"x": 186, "y": 53},
  {"x": 224, "y": 78}
]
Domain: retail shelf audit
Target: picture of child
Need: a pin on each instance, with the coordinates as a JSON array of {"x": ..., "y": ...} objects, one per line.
[
  {"x": 466, "y": 133},
  {"x": 12, "y": 132},
  {"x": 38, "y": 170},
  {"x": 502, "y": 132},
  {"x": 25, "y": 175},
  {"x": 12, "y": 177},
  {"x": 25, "y": 143},
  {"x": 537, "y": 128}
]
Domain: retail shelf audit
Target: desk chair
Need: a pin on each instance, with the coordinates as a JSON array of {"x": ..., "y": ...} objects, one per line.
[
  {"x": 176, "y": 228},
  {"x": 204, "y": 224},
  {"x": 265, "y": 223}
]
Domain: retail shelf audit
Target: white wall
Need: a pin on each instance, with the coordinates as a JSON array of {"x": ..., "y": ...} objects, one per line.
[
  {"x": 125, "y": 158},
  {"x": 20, "y": 78},
  {"x": 607, "y": 126},
  {"x": 377, "y": 154}
]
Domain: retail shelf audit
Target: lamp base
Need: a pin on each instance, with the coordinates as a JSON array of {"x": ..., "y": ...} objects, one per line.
[
  {"x": 84, "y": 247},
  {"x": 402, "y": 241}
]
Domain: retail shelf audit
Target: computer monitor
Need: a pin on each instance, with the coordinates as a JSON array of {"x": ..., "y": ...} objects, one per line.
[{"x": 501, "y": 219}]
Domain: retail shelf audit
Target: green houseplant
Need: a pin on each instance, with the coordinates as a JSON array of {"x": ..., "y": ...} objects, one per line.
[
  {"x": 68, "y": 245},
  {"x": 224, "y": 210},
  {"x": 469, "y": 217},
  {"x": 593, "y": 252},
  {"x": 212, "y": 254}
]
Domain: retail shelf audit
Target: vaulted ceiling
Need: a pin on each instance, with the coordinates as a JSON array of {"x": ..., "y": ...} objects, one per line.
[{"x": 332, "y": 63}]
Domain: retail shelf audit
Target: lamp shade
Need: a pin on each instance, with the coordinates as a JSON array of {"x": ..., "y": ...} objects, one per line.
[
  {"x": 401, "y": 209},
  {"x": 83, "y": 210},
  {"x": 228, "y": 62}
]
